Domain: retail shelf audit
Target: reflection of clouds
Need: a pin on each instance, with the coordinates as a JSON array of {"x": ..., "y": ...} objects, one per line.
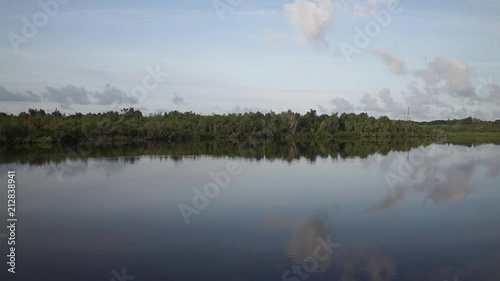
[
  {"x": 444, "y": 174},
  {"x": 72, "y": 168},
  {"x": 113, "y": 165},
  {"x": 67, "y": 168},
  {"x": 304, "y": 240},
  {"x": 455, "y": 188},
  {"x": 4, "y": 169},
  {"x": 493, "y": 167},
  {"x": 395, "y": 196}
]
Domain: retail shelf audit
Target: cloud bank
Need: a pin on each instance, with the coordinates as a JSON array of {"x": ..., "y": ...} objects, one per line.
[{"x": 70, "y": 95}]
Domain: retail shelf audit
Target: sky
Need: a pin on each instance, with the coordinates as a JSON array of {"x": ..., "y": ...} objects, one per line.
[{"x": 440, "y": 59}]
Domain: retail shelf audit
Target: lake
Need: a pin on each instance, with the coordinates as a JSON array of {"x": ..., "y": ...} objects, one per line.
[{"x": 367, "y": 212}]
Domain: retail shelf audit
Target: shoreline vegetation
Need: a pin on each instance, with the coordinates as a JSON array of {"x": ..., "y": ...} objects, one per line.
[{"x": 131, "y": 126}]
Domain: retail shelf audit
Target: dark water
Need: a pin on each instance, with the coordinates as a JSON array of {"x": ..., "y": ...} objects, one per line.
[{"x": 282, "y": 213}]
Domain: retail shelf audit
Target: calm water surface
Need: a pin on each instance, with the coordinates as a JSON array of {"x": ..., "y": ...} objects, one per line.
[{"x": 431, "y": 213}]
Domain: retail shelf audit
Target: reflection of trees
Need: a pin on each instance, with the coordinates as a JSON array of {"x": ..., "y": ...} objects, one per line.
[{"x": 43, "y": 154}]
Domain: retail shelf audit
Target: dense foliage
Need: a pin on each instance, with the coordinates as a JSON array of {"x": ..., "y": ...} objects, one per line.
[{"x": 131, "y": 124}]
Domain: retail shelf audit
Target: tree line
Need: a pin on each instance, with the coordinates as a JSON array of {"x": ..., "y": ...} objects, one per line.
[{"x": 38, "y": 126}]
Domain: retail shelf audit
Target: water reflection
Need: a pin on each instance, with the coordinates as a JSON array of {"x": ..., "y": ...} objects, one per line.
[
  {"x": 122, "y": 210},
  {"x": 309, "y": 240},
  {"x": 393, "y": 198},
  {"x": 444, "y": 175},
  {"x": 364, "y": 261},
  {"x": 272, "y": 222},
  {"x": 39, "y": 155},
  {"x": 455, "y": 187}
]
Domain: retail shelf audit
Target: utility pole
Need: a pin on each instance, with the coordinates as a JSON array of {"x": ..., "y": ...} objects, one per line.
[{"x": 408, "y": 113}]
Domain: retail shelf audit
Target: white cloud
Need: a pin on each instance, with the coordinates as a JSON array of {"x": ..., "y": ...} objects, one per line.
[
  {"x": 342, "y": 105},
  {"x": 310, "y": 18},
  {"x": 370, "y": 103},
  {"x": 385, "y": 96},
  {"x": 421, "y": 101},
  {"x": 452, "y": 76},
  {"x": 245, "y": 109}
]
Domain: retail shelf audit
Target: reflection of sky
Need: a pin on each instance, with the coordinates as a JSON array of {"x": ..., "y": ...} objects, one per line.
[{"x": 114, "y": 213}]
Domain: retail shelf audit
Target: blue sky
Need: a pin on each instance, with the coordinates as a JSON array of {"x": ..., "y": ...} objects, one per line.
[{"x": 441, "y": 59}]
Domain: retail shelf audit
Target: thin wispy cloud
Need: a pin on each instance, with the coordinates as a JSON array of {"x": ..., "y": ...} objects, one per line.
[{"x": 396, "y": 64}]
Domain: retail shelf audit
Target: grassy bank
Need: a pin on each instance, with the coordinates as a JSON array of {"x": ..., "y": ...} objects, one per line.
[{"x": 473, "y": 137}]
